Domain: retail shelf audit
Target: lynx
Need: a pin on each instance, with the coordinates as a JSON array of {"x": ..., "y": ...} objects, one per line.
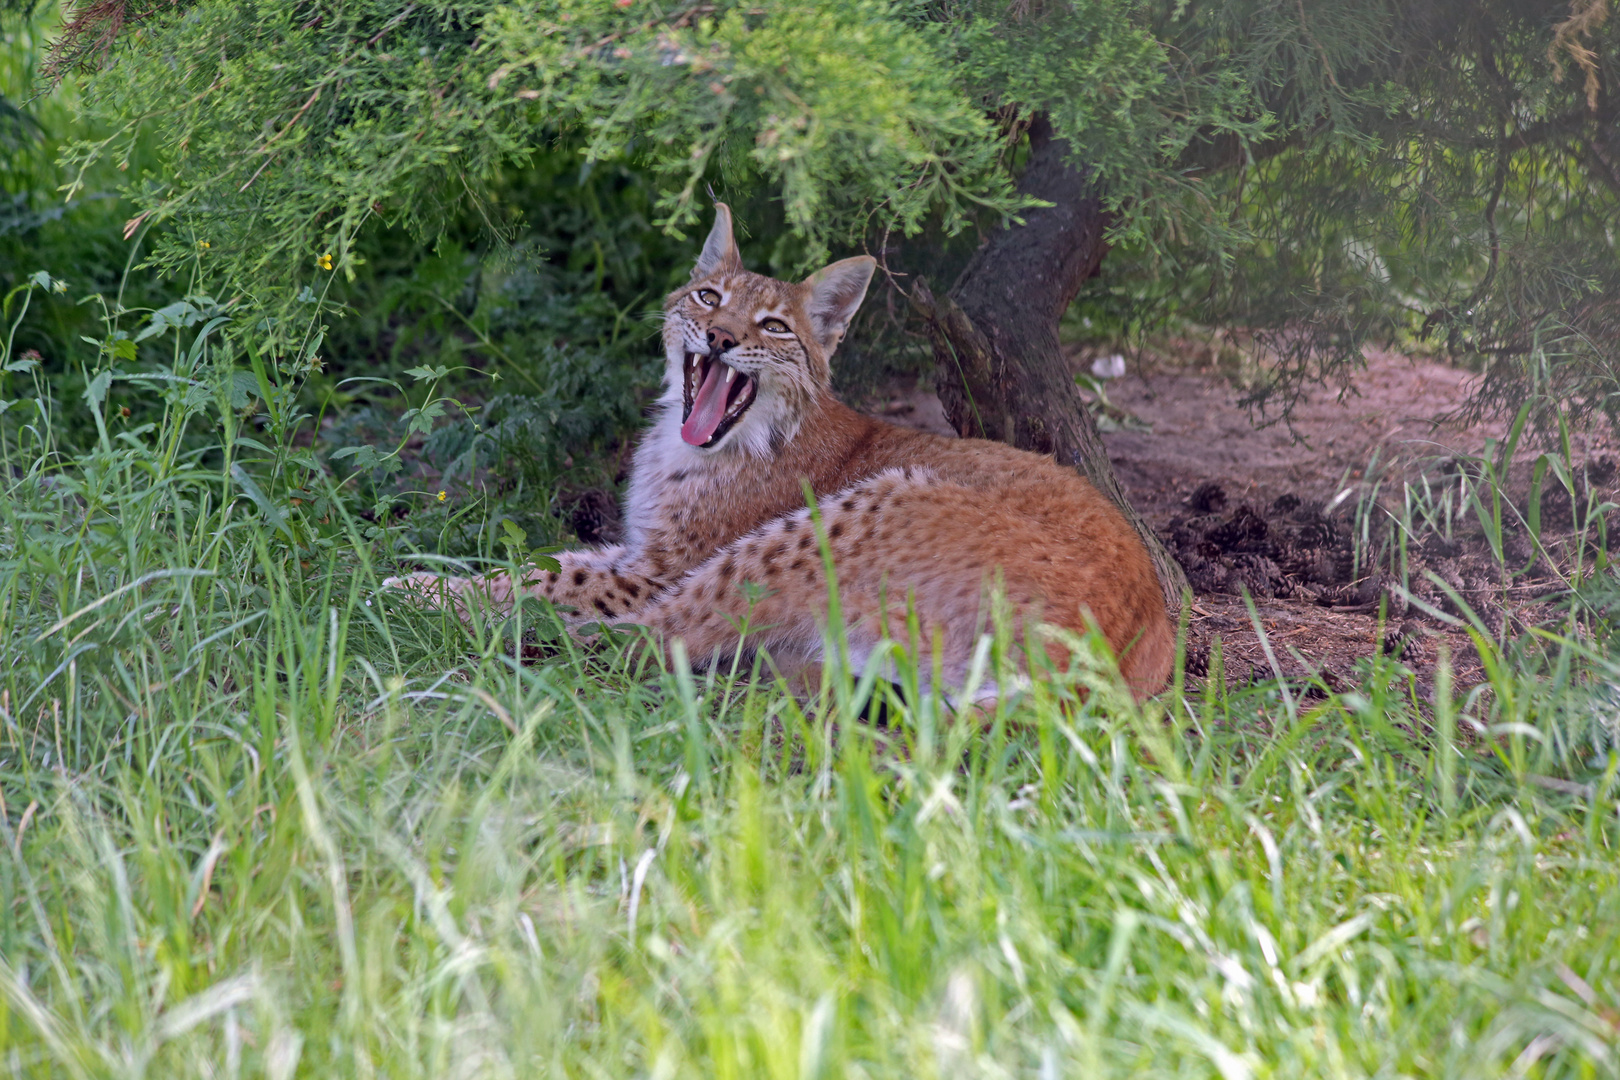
[{"x": 913, "y": 521}]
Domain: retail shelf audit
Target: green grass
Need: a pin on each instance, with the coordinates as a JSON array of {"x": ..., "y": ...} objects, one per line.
[{"x": 260, "y": 821}]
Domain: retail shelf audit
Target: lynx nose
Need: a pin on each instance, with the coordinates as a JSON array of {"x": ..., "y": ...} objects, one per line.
[{"x": 720, "y": 340}]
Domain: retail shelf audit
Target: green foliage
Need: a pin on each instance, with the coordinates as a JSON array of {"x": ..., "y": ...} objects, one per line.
[
  {"x": 1441, "y": 173},
  {"x": 558, "y": 317},
  {"x": 1117, "y": 88},
  {"x": 1324, "y": 174},
  {"x": 76, "y": 243},
  {"x": 283, "y": 130}
]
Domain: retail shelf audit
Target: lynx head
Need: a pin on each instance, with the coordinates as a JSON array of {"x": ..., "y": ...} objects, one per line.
[{"x": 747, "y": 355}]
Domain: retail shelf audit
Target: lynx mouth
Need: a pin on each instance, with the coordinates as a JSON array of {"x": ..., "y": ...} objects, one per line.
[{"x": 714, "y": 396}]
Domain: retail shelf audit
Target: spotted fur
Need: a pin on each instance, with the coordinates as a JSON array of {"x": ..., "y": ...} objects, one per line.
[{"x": 910, "y": 519}]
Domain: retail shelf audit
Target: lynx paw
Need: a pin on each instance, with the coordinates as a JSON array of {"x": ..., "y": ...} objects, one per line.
[
  {"x": 435, "y": 590},
  {"x": 423, "y": 583}
]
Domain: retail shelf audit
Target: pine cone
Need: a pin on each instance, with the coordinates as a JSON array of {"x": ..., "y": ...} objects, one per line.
[
  {"x": 595, "y": 517},
  {"x": 1259, "y": 575},
  {"x": 1244, "y": 531},
  {"x": 1285, "y": 504},
  {"x": 1209, "y": 498},
  {"x": 1405, "y": 643}
]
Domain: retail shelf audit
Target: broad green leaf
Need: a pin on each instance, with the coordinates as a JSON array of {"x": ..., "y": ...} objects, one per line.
[{"x": 96, "y": 392}]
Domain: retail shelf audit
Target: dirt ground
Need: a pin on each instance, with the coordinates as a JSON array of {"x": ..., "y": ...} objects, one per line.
[{"x": 1253, "y": 509}]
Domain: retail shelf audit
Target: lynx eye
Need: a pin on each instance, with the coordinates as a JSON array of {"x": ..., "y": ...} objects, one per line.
[
  {"x": 707, "y": 297},
  {"x": 775, "y": 326}
]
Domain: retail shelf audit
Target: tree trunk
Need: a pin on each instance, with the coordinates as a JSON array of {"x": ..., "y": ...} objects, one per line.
[{"x": 1000, "y": 371}]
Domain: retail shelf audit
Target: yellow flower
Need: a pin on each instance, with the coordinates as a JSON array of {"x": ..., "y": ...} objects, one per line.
[
  {"x": 325, "y": 261},
  {"x": 203, "y": 245},
  {"x": 442, "y": 494}
]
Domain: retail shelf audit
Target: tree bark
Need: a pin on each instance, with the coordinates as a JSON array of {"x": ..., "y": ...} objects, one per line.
[{"x": 1001, "y": 373}]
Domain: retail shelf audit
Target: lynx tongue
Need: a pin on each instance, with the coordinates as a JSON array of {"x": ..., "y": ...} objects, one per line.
[{"x": 709, "y": 407}]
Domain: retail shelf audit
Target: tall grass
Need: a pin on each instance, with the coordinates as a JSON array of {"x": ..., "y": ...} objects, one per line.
[
  {"x": 1543, "y": 617},
  {"x": 259, "y": 820}
]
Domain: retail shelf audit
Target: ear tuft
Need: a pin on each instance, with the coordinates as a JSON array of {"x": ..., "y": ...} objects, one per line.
[
  {"x": 719, "y": 250},
  {"x": 836, "y": 291}
]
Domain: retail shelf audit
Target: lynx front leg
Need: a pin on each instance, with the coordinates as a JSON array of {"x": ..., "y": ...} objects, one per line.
[{"x": 597, "y": 583}]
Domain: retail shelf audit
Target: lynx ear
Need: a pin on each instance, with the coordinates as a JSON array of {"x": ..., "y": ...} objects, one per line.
[
  {"x": 835, "y": 292},
  {"x": 719, "y": 250}
]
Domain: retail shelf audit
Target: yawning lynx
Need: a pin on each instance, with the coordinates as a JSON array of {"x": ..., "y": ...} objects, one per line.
[{"x": 716, "y": 499}]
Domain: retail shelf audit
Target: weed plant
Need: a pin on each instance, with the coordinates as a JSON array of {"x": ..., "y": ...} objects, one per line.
[{"x": 1540, "y": 524}]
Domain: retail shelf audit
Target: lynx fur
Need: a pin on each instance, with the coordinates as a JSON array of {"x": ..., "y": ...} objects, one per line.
[{"x": 716, "y": 499}]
